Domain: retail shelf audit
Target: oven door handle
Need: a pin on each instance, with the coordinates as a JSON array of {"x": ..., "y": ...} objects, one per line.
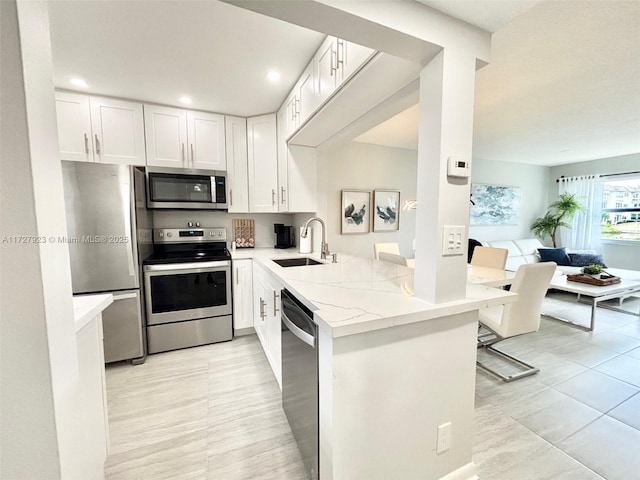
[{"x": 195, "y": 267}]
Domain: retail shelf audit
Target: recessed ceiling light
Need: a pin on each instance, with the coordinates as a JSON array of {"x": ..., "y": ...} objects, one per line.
[
  {"x": 79, "y": 82},
  {"x": 186, "y": 100},
  {"x": 273, "y": 75}
]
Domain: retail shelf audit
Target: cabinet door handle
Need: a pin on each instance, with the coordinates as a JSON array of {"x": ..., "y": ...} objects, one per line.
[
  {"x": 236, "y": 276},
  {"x": 183, "y": 153},
  {"x": 273, "y": 197},
  {"x": 86, "y": 144},
  {"x": 97, "y": 145},
  {"x": 297, "y": 107},
  {"x": 334, "y": 61},
  {"x": 283, "y": 194},
  {"x": 230, "y": 197},
  {"x": 262, "y": 312},
  {"x": 293, "y": 108},
  {"x": 193, "y": 158},
  {"x": 275, "y": 310},
  {"x": 339, "y": 57}
]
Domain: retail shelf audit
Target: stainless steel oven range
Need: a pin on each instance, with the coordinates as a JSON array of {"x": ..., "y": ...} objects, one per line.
[{"x": 187, "y": 282}]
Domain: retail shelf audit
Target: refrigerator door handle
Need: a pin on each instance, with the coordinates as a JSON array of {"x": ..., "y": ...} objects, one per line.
[{"x": 126, "y": 203}]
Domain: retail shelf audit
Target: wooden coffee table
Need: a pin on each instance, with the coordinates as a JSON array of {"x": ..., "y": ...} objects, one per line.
[{"x": 596, "y": 294}]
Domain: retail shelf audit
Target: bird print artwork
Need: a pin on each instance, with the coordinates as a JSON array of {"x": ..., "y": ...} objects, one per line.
[
  {"x": 386, "y": 210},
  {"x": 356, "y": 208},
  {"x": 351, "y": 216}
]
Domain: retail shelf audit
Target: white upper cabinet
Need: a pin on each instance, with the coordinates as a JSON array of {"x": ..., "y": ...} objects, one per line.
[
  {"x": 334, "y": 63},
  {"x": 291, "y": 120},
  {"x": 118, "y": 131},
  {"x": 205, "y": 133},
  {"x": 74, "y": 127},
  {"x": 297, "y": 176},
  {"x": 262, "y": 163},
  {"x": 100, "y": 129},
  {"x": 325, "y": 69},
  {"x": 283, "y": 177},
  {"x": 184, "y": 139},
  {"x": 350, "y": 57},
  {"x": 166, "y": 136},
  {"x": 237, "y": 173},
  {"x": 306, "y": 92}
]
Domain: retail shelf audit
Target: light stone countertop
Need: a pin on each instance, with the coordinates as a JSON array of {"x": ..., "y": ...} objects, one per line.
[
  {"x": 87, "y": 307},
  {"x": 359, "y": 294}
]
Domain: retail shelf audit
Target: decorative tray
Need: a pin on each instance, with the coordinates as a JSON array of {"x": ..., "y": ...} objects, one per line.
[
  {"x": 244, "y": 233},
  {"x": 600, "y": 280}
]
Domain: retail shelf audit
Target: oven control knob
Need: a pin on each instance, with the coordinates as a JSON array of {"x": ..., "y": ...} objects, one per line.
[
  {"x": 169, "y": 234},
  {"x": 211, "y": 233},
  {"x": 189, "y": 224},
  {"x": 198, "y": 224},
  {"x": 161, "y": 234}
]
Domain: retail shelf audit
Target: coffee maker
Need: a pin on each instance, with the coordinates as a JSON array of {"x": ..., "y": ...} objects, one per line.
[{"x": 284, "y": 236}]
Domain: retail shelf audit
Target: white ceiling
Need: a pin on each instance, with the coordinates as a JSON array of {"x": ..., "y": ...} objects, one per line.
[
  {"x": 158, "y": 51},
  {"x": 563, "y": 84}
]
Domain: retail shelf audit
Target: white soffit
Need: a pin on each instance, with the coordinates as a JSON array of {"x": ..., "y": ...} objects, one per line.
[
  {"x": 400, "y": 131},
  {"x": 489, "y": 15},
  {"x": 158, "y": 51}
]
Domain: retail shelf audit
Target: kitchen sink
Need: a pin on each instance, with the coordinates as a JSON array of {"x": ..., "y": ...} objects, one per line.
[{"x": 297, "y": 262}]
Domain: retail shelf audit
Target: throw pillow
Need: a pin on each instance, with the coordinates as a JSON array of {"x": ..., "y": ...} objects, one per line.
[
  {"x": 584, "y": 259},
  {"x": 558, "y": 255}
]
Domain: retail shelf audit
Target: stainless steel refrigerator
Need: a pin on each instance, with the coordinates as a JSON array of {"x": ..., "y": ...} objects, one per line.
[{"x": 109, "y": 234}]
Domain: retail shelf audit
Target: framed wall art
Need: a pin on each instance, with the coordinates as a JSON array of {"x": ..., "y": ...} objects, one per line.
[
  {"x": 356, "y": 211},
  {"x": 386, "y": 216},
  {"x": 495, "y": 205}
]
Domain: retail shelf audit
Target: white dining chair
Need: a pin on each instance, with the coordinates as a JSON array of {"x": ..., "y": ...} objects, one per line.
[
  {"x": 393, "y": 258},
  {"x": 391, "y": 247},
  {"x": 489, "y": 257},
  {"x": 505, "y": 321}
]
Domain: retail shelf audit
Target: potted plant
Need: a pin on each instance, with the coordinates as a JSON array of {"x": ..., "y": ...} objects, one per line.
[
  {"x": 557, "y": 215},
  {"x": 592, "y": 269}
]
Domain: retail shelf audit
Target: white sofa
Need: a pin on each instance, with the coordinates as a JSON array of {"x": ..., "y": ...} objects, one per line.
[{"x": 526, "y": 251}]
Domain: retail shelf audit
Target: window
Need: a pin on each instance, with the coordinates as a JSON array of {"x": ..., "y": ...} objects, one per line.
[{"x": 621, "y": 214}]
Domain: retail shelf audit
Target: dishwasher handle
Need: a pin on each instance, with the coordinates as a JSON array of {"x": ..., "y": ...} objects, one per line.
[{"x": 298, "y": 332}]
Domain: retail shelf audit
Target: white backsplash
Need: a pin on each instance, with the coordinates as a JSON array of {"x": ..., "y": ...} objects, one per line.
[{"x": 265, "y": 237}]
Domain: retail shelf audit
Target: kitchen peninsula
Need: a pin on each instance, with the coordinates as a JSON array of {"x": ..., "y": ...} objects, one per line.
[{"x": 392, "y": 368}]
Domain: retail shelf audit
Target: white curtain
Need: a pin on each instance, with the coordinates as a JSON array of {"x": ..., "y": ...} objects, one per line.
[{"x": 584, "y": 233}]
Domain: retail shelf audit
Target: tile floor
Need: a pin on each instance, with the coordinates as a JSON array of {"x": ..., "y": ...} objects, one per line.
[{"x": 213, "y": 412}]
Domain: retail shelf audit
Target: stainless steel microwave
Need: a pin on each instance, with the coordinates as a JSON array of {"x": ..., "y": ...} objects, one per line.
[{"x": 180, "y": 188}]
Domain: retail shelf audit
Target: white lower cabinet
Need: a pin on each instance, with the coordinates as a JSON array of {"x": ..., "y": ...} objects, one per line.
[
  {"x": 92, "y": 393},
  {"x": 242, "y": 296},
  {"x": 266, "y": 303}
]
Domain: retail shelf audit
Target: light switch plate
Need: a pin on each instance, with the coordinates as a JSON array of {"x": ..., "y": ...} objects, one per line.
[{"x": 453, "y": 240}]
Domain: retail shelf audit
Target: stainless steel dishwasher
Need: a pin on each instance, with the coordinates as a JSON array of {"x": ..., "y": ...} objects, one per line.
[{"x": 300, "y": 378}]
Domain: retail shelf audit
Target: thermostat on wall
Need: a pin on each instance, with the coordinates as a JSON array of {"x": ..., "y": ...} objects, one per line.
[{"x": 458, "y": 167}]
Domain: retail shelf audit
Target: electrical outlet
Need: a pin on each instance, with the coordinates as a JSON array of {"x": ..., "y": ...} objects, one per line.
[{"x": 444, "y": 438}]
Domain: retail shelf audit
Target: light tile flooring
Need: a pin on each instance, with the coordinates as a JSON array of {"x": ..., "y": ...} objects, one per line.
[{"x": 214, "y": 412}]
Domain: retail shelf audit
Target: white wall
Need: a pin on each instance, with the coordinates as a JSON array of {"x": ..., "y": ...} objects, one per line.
[
  {"x": 615, "y": 254},
  {"x": 363, "y": 166},
  {"x": 265, "y": 237},
  {"x": 531, "y": 179},
  {"x": 40, "y": 435}
]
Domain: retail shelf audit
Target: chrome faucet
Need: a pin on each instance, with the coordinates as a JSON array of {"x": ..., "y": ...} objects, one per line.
[{"x": 324, "y": 249}]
